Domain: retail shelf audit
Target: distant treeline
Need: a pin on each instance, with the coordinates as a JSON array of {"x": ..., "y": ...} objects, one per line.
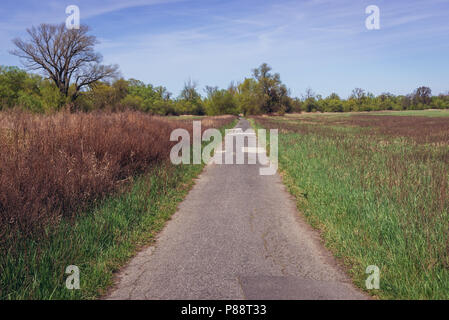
[{"x": 262, "y": 93}]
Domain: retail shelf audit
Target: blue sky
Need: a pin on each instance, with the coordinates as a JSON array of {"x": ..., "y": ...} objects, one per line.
[{"x": 321, "y": 44}]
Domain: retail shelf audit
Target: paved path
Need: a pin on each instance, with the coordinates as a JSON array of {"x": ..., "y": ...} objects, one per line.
[{"x": 237, "y": 235}]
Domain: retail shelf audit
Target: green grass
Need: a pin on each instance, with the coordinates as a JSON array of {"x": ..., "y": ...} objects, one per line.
[
  {"x": 336, "y": 115},
  {"x": 379, "y": 201},
  {"x": 185, "y": 117},
  {"x": 423, "y": 113},
  {"x": 99, "y": 242}
]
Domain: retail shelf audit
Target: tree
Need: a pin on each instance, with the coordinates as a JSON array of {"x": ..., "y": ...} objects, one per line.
[
  {"x": 275, "y": 95},
  {"x": 358, "y": 99},
  {"x": 309, "y": 94},
  {"x": 358, "y": 94},
  {"x": 190, "y": 101},
  {"x": 386, "y": 101},
  {"x": 333, "y": 96},
  {"x": 249, "y": 97},
  {"x": 189, "y": 92},
  {"x": 309, "y": 99},
  {"x": 66, "y": 56},
  {"x": 12, "y": 80},
  {"x": 422, "y": 95},
  {"x": 267, "y": 83},
  {"x": 332, "y": 103},
  {"x": 297, "y": 105},
  {"x": 220, "y": 101}
]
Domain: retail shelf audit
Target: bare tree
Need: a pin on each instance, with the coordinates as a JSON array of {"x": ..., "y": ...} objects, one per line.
[
  {"x": 309, "y": 94},
  {"x": 210, "y": 91},
  {"x": 423, "y": 95},
  {"x": 65, "y": 56},
  {"x": 358, "y": 94}
]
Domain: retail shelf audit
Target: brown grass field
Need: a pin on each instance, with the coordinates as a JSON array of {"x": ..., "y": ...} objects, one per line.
[{"x": 54, "y": 166}]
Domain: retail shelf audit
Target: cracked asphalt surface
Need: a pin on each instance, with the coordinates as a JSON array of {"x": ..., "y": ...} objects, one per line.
[{"x": 237, "y": 235}]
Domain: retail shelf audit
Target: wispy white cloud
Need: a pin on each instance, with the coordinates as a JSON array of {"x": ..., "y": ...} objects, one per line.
[
  {"x": 31, "y": 13},
  {"x": 312, "y": 42},
  {"x": 116, "y": 5}
]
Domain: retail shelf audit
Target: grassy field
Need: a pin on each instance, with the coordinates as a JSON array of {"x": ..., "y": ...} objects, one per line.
[
  {"x": 424, "y": 113},
  {"x": 111, "y": 224},
  {"x": 378, "y": 188}
]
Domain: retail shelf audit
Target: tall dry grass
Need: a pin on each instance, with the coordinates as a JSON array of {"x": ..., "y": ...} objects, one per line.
[{"x": 54, "y": 166}]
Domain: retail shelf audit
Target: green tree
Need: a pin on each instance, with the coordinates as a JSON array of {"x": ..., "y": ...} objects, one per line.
[
  {"x": 249, "y": 97},
  {"x": 12, "y": 80},
  {"x": 274, "y": 94},
  {"x": 332, "y": 103},
  {"x": 220, "y": 101},
  {"x": 190, "y": 101}
]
